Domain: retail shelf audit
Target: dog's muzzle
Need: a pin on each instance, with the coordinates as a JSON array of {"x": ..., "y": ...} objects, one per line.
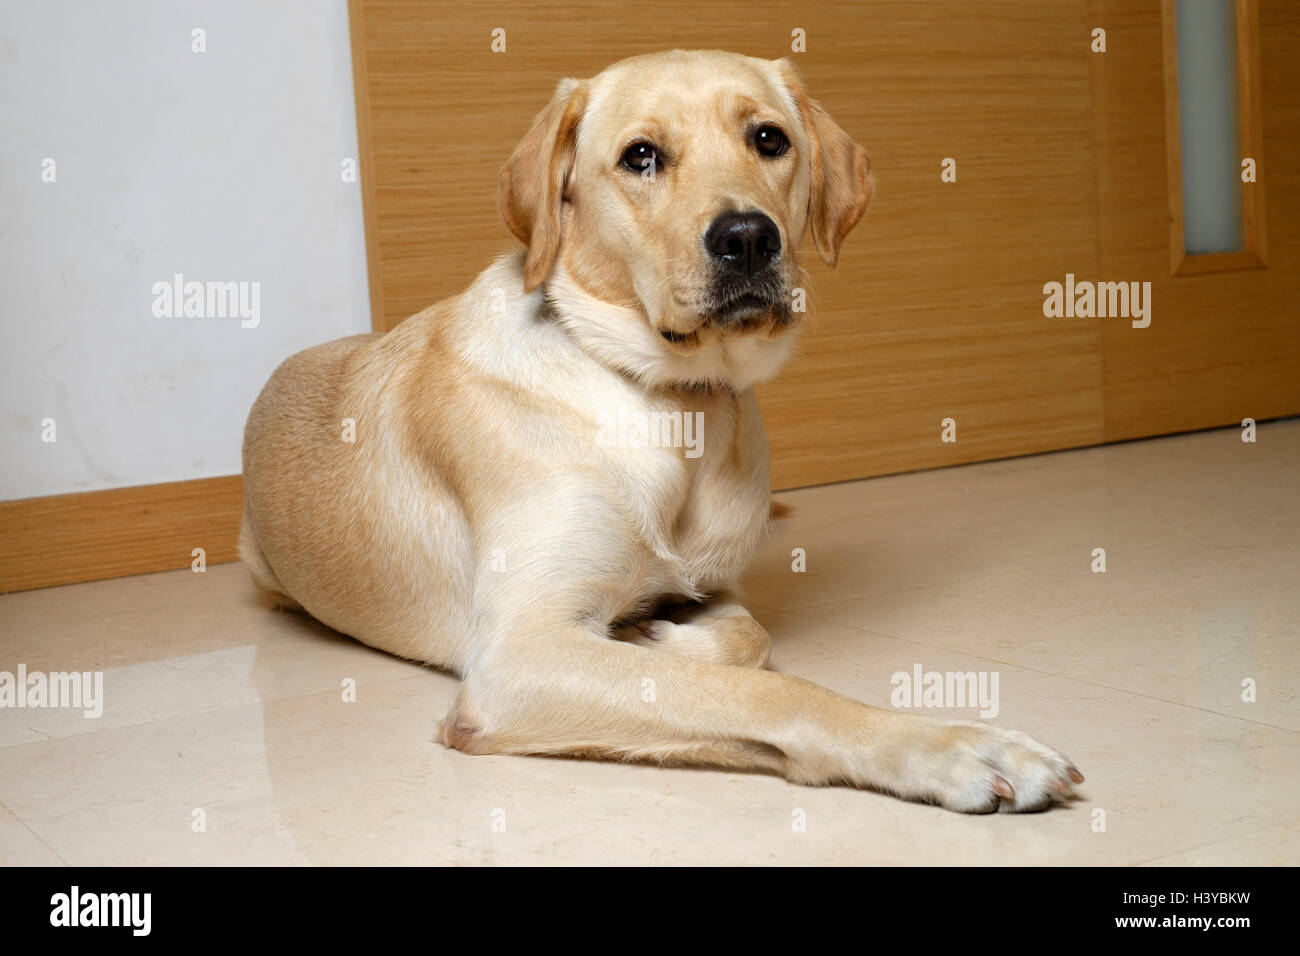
[{"x": 747, "y": 287}]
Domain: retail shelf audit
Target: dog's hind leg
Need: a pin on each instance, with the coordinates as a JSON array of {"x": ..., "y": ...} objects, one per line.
[
  {"x": 250, "y": 552},
  {"x": 720, "y": 631}
]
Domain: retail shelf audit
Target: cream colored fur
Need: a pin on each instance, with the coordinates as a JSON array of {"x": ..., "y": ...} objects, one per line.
[{"x": 477, "y": 522}]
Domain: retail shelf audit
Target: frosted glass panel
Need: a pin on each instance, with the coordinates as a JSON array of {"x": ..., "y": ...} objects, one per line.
[{"x": 1207, "y": 104}]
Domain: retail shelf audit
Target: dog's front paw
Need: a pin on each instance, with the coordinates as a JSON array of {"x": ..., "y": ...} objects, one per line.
[{"x": 974, "y": 768}]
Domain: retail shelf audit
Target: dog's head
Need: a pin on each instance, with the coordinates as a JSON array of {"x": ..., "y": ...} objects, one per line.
[{"x": 662, "y": 201}]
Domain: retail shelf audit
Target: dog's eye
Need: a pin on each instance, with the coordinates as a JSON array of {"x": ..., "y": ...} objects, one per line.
[
  {"x": 641, "y": 157},
  {"x": 770, "y": 141}
]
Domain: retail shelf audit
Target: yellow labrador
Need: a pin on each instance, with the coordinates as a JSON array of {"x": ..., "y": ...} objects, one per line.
[{"x": 551, "y": 483}]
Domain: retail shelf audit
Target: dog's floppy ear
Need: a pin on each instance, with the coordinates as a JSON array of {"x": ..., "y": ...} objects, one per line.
[
  {"x": 841, "y": 173},
  {"x": 532, "y": 185}
]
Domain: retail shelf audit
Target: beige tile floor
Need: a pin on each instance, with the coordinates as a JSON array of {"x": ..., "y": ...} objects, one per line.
[{"x": 216, "y": 704}]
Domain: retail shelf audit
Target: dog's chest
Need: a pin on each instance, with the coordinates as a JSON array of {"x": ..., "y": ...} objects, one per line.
[{"x": 692, "y": 477}]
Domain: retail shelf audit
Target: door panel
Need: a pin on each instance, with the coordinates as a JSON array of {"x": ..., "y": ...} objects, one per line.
[
  {"x": 936, "y": 309},
  {"x": 1222, "y": 346}
]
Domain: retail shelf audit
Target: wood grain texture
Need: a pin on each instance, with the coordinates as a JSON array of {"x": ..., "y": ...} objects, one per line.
[
  {"x": 1250, "y": 104},
  {"x": 936, "y": 308},
  {"x": 366, "y": 164},
  {"x": 1222, "y": 346},
  {"x": 107, "y": 534},
  {"x": 1173, "y": 132}
]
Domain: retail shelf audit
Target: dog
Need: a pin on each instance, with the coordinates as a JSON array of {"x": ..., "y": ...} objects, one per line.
[{"x": 453, "y": 492}]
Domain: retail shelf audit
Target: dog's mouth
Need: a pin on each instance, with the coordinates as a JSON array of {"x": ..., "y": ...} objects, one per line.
[
  {"x": 749, "y": 311},
  {"x": 742, "y": 308},
  {"x": 745, "y": 313},
  {"x": 677, "y": 338},
  {"x": 731, "y": 308},
  {"x": 746, "y": 304}
]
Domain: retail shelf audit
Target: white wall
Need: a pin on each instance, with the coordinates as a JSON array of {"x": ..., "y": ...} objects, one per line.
[{"x": 223, "y": 166}]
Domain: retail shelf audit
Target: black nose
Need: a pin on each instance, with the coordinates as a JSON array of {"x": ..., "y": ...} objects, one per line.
[{"x": 743, "y": 241}]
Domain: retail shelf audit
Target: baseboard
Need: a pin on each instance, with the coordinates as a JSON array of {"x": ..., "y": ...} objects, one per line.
[{"x": 93, "y": 535}]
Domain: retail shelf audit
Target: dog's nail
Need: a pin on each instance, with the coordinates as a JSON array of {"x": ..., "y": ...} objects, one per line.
[
  {"x": 1075, "y": 775},
  {"x": 1002, "y": 788}
]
